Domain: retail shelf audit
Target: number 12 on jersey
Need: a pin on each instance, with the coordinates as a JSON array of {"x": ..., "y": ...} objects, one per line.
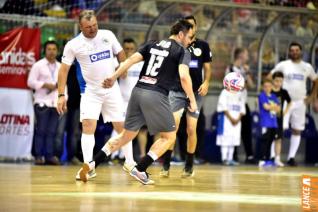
[{"x": 155, "y": 62}]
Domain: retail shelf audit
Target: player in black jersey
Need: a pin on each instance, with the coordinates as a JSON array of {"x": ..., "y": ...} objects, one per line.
[
  {"x": 149, "y": 103},
  {"x": 282, "y": 96},
  {"x": 201, "y": 58}
]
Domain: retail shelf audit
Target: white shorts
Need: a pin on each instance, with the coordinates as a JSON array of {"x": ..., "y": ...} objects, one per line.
[
  {"x": 296, "y": 115},
  {"x": 110, "y": 105}
]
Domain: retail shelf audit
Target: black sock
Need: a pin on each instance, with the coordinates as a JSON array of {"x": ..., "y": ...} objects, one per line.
[
  {"x": 189, "y": 160},
  {"x": 99, "y": 158},
  {"x": 167, "y": 159},
  {"x": 144, "y": 163}
]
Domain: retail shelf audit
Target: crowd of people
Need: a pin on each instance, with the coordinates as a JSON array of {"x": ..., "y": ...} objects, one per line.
[{"x": 134, "y": 109}]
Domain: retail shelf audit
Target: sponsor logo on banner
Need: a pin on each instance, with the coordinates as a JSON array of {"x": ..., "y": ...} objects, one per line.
[
  {"x": 14, "y": 124},
  {"x": 20, "y": 49},
  {"x": 99, "y": 56},
  {"x": 309, "y": 193}
]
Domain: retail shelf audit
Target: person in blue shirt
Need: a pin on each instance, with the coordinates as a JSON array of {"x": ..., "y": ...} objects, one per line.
[{"x": 268, "y": 109}]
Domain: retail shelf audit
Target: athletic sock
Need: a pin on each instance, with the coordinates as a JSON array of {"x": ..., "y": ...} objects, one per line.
[
  {"x": 224, "y": 152},
  {"x": 87, "y": 143},
  {"x": 189, "y": 160},
  {"x": 273, "y": 149},
  {"x": 128, "y": 152},
  {"x": 294, "y": 144},
  {"x": 167, "y": 159},
  {"x": 146, "y": 161},
  {"x": 99, "y": 158},
  {"x": 230, "y": 153}
]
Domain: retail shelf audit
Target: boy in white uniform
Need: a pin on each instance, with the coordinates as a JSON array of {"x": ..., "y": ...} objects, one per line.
[
  {"x": 231, "y": 108},
  {"x": 296, "y": 72},
  {"x": 93, "y": 50}
]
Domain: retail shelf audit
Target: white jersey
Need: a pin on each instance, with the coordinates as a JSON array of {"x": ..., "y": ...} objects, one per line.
[
  {"x": 127, "y": 84},
  {"x": 295, "y": 77},
  {"x": 94, "y": 57},
  {"x": 227, "y": 134}
]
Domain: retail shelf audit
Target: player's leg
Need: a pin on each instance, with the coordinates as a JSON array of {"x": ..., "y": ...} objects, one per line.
[
  {"x": 177, "y": 102},
  {"x": 192, "y": 120},
  {"x": 90, "y": 107},
  {"x": 127, "y": 149},
  {"x": 113, "y": 110},
  {"x": 168, "y": 154},
  {"x": 297, "y": 120},
  {"x": 142, "y": 141},
  {"x": 111, "y": 145},
  {"x": 159, "y": 147}
]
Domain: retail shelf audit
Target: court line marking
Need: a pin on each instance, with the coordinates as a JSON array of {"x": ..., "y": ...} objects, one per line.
[{"x": 184, "y": 196}]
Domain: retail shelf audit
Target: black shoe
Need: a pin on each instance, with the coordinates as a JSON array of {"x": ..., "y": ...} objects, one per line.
[
  {"x": 250, "y": 160},
  {"x": 292, "y": 162},
  {"x": 52, "y": 161},
  {"x": 187, "y": 172}
]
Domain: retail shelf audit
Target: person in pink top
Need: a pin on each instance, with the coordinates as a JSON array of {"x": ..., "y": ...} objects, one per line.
[{"x": 43, "y": 80}]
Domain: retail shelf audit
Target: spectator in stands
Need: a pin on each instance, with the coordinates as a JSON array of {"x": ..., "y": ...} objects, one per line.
[
  {"x": 43, "y": 79},
  {"x": 268, "y": 109},
  {"x": 240, "y": 66}
]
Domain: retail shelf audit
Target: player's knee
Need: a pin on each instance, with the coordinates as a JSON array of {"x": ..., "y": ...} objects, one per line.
[{"x": 191, "y": 131}]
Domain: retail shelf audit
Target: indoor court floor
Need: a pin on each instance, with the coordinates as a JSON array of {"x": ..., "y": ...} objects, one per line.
[{"x": 26, "y": 187}]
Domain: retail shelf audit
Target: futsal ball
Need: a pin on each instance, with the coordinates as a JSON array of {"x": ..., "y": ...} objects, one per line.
[{"x": 233, "y": 82}]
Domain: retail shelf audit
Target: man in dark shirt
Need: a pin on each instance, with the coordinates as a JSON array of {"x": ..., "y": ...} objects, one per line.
[
  {"x": 201, "y": 58},
  {"x": 164, "y": 61}
]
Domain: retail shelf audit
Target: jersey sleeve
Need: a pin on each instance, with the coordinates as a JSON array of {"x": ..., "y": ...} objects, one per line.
[
  {"x": 312, "y": 75},
  {"x": 68, "y": 55},
  {"x": 144, "y": 49},
  {"x": 185, "y": 57},
  {"x": 221, "y": 102},
  {"x": 278, "y": 67},
  {"x": 116, "y": 47},
  {"x": 261, "y": 100},
  {"x": 207, "y": 53},
  {"x": 286, "y": 96}
]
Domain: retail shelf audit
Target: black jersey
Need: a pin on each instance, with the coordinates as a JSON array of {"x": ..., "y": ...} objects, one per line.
[
  {"x": 161, "y": 67},
  {"x": 200, "y": 54},
  {"x": 282, "y": 96}
]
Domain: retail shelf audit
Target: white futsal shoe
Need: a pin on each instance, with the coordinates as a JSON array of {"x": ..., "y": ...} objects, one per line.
[
  {"x": 142, "y": 177},
  {"x": 87, "y": 172},
  {"x": 279, "y": 163},
  {"x": 128, "y": 167}
]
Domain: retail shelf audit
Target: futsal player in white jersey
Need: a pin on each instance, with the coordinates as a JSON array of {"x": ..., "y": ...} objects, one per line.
[
  {"x": 296, "y": 72},
  {"x": 230, "y": 108},
  {"x": 126, "y": 83},
  {"x": 94, "y": 52}
]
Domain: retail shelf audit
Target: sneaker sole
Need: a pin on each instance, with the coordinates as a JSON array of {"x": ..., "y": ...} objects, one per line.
[
  {"x": 84, "y": 173},
  {"x": 187, "y": 176},
  {"x": 151, "y": 182}
]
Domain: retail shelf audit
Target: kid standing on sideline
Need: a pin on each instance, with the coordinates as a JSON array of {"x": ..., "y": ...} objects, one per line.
[
  {"x": 268, "y": 109},
  {"x": 282, "y": 96},
  {"x": 231, "y": 108}
]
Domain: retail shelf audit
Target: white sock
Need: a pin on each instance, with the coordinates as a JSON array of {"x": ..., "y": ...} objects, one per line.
[
  {"x": 224, "y": 151},
  {"x": 294, "y": 144},
  {"x": 87, "y": 143},
  {"x": 277, "y": 158},
  {"x": 230, "y": 153},
  {"x": 153, "y": 155},
  {"x": 106, "y": 149},
  {"x": 273, "y": 149},
  {"x": 128, "y": 152}
]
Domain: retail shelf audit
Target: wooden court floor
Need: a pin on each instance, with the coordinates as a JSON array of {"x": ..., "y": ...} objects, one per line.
[{"x": 26, "y": 187}]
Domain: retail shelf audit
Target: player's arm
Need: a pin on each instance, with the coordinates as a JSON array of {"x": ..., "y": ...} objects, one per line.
[
  {"x": 313, "y": 94},
  {"x": 123, "y": 67},
  {"x": 186, "y": 84},
  {"x": 121, "y": 56},
  {"x": 204, "y": 88},
  {"x": 61, "y": 84},
  {"x": 249, "y": 80},
  {"x": 228, "y": 115}
]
